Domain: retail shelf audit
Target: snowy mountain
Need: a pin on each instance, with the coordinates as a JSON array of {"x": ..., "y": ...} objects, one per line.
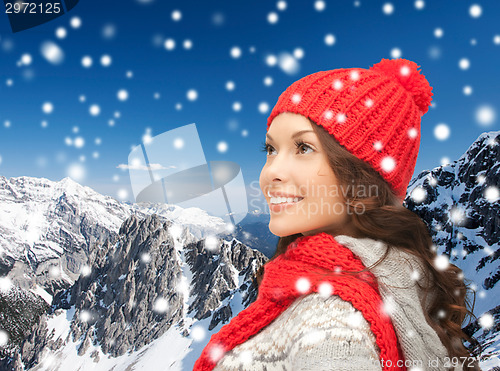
[
  {"x": 48, "y": 229},
  {"x": 151, "y": 298},
  {"x": 460, "y": 204},
  {"x": 254, "y": 232}
]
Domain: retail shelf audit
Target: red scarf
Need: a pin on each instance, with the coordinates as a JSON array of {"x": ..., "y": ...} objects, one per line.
[{"x": 319, "y": 259}]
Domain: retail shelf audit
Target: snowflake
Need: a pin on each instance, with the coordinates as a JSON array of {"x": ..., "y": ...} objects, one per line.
[
  {"x": 325, "y": 289},
  {"x": 85, "y": 270},
  {"x": 5, "y": 284},
  {"x": 272, "y": 17},
  {"x": 388, "y": 8},
  {"x": 486, "y": 321},
  {"x": 415, "y": 275},
  {"x": 169, "y": 44},
  {"x": 211, "y": 242},
  {"x": 85, "y": 316},
  {"x": 464, "y": 64},
  {"x": 441, "y": 262},
  {"x": 438, "y": 33},
  {"x": 441, "y": 131},
  {"x": 246, "y": 357},
  {"x": 475, "y": 11},
  {"x": 313, "y": 337},
  {"x": 160, "y": 305},
  {"x": 319, "y": 5},
  {"x": 355, "y": 319},
  {"x": 303, "y": 285},
  {"x": 216, "y": 352},
  {"x": 176, "y": 15},
  {"x": 337, "y": 84},
  {"x": 145, "y": 258},
  {"x": 198, "y": 333},
  {"x": 4, "y": 338},
  {"x": 396, "y": 53},
  {"x": 192, "y": 95},
  {"x": 388, "y": 164},
  {"x": 235, "y": 52},
  {"x": 296, "y": 98},
  {"x": 329, "y": 39},
  {"x": 389, "y": 305},
  {"x": 328, "y": 114},
  {"x": 419, "y": 194}
]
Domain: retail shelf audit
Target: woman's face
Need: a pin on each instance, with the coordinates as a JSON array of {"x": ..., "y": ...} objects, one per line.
[{"x": 297, "y": 168}]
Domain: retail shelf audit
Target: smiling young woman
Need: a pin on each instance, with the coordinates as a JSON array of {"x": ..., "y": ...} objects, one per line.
[{"x": 352, "y": 285}]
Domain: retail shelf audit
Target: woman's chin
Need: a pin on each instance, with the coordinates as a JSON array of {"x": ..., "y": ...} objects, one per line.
[{"x": 282, "y": 229}]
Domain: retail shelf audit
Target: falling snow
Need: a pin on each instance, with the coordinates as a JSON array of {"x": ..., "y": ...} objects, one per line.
[
  {"x": 169, "y": 44},
  {"x": 263, "y": 107},
  {"x": 464, "y": 64},
  {"x": 235, "y": 52},
  {"x": 303, "y": 285},
  {"x": 485, "y": 115},
  {"x": 441, "y": 262},
  {"x": 388, "y": 8},
  {"x": 418, "y": 194},
  {"x": 61, "y": 33},
  {"x": 441, "y": 131},
  {"x": 329, "y": 39},
  {"x": 272, "y": 18},
  {"x": 87, "y": 61},
  {"x": 388, "y": 164},
  {"x": 47, "y": 107},
  {"x": 52, "y": 52},
  {"x": 95, "y": 110},
  {"x": 271, "y": 60},
  {"x": 76, "y": 22},
  {"x": 106, "y": 60},
  {"x": 192, "y": 95},
  {"x": 176, "y": 15},
  {"x": 319, "y": 5},
  {"x": 475, "y": 11}
]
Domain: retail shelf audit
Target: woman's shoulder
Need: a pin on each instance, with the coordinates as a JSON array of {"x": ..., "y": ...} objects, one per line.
[
  {"x": 318, "y": 330},
  {"x": 319, "y": 313},
  {"x": 334, "y": 335}
]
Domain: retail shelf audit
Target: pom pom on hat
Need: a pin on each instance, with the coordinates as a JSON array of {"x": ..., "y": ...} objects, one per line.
[{"x": 408, "y": 74}]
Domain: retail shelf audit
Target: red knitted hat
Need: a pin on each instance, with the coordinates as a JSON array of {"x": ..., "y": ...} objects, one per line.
[{"x": 373, "y": 113}]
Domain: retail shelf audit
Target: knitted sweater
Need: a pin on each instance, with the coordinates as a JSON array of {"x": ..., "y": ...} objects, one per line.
[
  {"x": 318, "y": 333},
  {"x": 314, "y": 333}
]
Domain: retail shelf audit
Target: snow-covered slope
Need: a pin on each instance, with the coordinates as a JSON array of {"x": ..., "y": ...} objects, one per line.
[
  {"x": 47, "y": 229},
  {"x": 152, "y": 299},
  {"x": 460, "y": 203}
]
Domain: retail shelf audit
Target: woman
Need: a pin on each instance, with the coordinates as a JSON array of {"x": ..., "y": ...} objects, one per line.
[{"x": 352, "y": 285}]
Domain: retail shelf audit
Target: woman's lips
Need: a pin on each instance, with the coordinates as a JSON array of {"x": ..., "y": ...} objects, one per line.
[{"x": 281, "y": 206}]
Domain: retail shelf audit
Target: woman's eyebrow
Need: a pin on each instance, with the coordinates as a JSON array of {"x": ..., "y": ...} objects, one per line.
[{"x": 300, "y": 132}]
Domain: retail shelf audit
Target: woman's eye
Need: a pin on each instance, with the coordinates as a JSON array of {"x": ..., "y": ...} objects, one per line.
[
  {"x": 299, "y": 145},
  {"x": 306, "y": 147},
  {"x": 266, "y": 148},
  {"x": 302, "y": 145}
]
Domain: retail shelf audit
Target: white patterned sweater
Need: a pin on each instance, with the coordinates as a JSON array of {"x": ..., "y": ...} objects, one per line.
[{"x": 327, "y": 333}]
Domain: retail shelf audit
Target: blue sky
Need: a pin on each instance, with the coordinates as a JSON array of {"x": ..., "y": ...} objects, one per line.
[{"x": 441, "y": 36}]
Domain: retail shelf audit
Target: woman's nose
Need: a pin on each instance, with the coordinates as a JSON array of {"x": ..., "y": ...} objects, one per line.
[{"x": 278, "y": 168}]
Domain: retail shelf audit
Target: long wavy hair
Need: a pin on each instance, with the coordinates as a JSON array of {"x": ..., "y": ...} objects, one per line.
[{"x": 385, "y": 218}]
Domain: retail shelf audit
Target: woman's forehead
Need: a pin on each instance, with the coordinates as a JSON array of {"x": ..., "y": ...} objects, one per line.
[{"x": 286, "y": 124}]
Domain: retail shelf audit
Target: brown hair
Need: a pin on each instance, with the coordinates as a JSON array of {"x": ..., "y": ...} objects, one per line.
[{"x": 385, "y": 218}]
